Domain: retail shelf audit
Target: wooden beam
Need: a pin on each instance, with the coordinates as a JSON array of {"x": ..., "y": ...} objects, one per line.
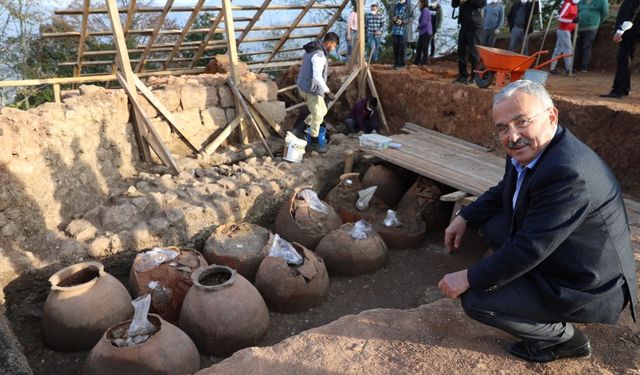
[
  {"x": 232, "y": 53},
  {"x": 152, "y": 136},
  {"x": 295, "y": 106},
  {"x": 163, "y": 111},
  {"x": 154, "y": 35},
  {"x": 287, "y": 88},
  {"x": 81, "y": 44},
  {"x": 56, "y": 93},
  {"x": 245, "y": 108},
  {"x": 333, "y": 19},
  {"x": 72, "y": 12},
  {"x": 362, "y": 88},
  {"x": 207, "y": 38},
  {"x": 274, "y": 125},
  {"x": 128, "y": 21},
  {"x": 344, "y": 87},
  {"x": 253, "y": 21},
  {"x": 274, "y": 64},
  {"x": 374, "y": 92},
  {"x": 122, "y": 57},
  {"x": 187, "y": 27},
  {"x": 226, "y": 132},
  {"x": 285, "y": 36}
]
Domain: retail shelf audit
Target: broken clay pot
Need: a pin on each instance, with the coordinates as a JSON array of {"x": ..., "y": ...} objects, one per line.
[
  {"x": 223, "y": 312},
  {"x": 290, "y": 288},
  {"x": 343, "y": 198},
  {"x": 297, "y": 222},
  {"x": 409, "y": 235},
  {"x": 344, "y": 255},
  {"x": 168, "y": 351},
  {"x": 239, "y": 246},
  {"x": 83, "y": 302},
  {"x": 390, "y": 186},
  {"x": 168, "y": 283}
]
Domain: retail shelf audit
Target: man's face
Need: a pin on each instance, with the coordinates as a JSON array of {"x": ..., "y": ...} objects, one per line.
[
  {"x": 526, "y": 143},
  {"x": 374, "y": 9},
  {"x": 330, "y": 46}
]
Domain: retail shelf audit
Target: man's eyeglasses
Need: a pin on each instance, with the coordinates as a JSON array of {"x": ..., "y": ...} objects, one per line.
[{"x": 502, "y": 130}]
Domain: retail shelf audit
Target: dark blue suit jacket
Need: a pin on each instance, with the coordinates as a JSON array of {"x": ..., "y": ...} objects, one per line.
[{"x": 569, "y": 234}]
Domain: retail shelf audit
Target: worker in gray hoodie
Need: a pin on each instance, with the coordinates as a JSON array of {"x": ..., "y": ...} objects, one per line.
[
  {"x": 312, "y": 85},
  {"x": 493, "y": 22}
]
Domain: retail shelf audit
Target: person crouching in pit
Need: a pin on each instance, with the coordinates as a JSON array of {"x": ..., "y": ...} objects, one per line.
[
  {"x": 312, "y": 85},
  {"x": 363, "y": 116}
]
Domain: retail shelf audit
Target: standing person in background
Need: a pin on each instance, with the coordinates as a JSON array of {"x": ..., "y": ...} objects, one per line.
[
  {"x": 592, "y": 14},
  {"x": 436, "y": 22},
  {"x": 374, "y": 25},
  {"x": 412, "y": 34},
  {"x": 627, "y": 35},
  {"x": 518, "y": 18},
  {"x": 312, "y": 84},
  {"x": 471, "y": 23},
  {"x": 401, "y": 16},
  {"x": 425, "y": 30},
  {"x": 352, "y": 31},
  {"x": 493, "y": 22},
  {"x": 567, "y": 18}
]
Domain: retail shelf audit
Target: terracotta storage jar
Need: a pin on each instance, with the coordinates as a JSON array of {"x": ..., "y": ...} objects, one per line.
[
  {"x": 168, "y": 283},
  {"x": 343, "y": 198},
  {"x": 168, "y": 351},
  {"x": 83, "y": 302},
  {"x": 239, "y": 246},
  {"x": 345, "y": 255},
  {"x": 390, "y": 187},
  {"x": 290, "y": 288},
  {"x": 298, "y": 222},
  {"x": 223, "y": 312}
]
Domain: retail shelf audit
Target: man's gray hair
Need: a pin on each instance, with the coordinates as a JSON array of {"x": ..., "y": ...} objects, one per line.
[{"x": 534, "y": 89}]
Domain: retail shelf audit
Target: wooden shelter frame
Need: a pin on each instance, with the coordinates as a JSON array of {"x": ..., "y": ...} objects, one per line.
[{"x": 172, "y": 63}]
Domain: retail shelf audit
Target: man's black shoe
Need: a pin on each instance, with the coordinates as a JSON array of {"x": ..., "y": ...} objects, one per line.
[
  {"x": 460, "y": 79},
  {"x": 576, "y": 347},
  {"x": 317, "y": 147},
  {"x": 612, "y": 94}
]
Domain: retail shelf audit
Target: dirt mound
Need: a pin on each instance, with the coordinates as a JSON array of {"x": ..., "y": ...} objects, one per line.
[{"x": 432, "y": 339}]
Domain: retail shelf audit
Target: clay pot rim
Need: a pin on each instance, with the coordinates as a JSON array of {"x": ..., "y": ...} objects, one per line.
[
  {"x": 72, "y": 269},
  {"x": 105, "y": 335},
  {"x": 200, "y": 272}
]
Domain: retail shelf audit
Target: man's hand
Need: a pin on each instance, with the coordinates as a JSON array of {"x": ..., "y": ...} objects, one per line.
[
  {"x": 454, "y": 284},
  {"x": 454, "y": 232},
  {"x": 330, "y": 96},
  {"x": 617, "y": 37}
]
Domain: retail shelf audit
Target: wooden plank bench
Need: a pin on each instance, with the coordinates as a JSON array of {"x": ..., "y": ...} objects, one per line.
[{"x": 470, "y": 168}]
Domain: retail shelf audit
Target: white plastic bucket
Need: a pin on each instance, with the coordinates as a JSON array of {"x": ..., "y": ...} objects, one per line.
[
  {"x": 294, "y": 149},
  {"x": 535, "y": 75}
]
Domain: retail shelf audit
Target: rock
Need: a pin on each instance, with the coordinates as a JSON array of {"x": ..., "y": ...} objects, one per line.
[
  {"x": 274, "y": 110},
  {"x": 100, "y": 247},
  {"x": 142, "y": 237},
  {"x": 90, "y": 89},
  {"x": 140, "y": 202},
  {"x": 118, "y": 217},
  {"x": 147, "y": 107},
  {"x": 256, "y": 91},
  {"x": 3, "y": 220},
  {"x": 12, "y": 359},
  {"x": 226, "y": 97},
  {"x": 193, "y": 97},
  {"x": 230, "y": 113},
  {"x": 227, "y": 183},
  {"x": 213, "y": 118},
  {"x": 169, "y": 97},
  {"x": 10, "y": 230},
  {"x": 81, "y": 229},
  {"x": 163, "y": 128},
  {"x": 174, "y": 215}
]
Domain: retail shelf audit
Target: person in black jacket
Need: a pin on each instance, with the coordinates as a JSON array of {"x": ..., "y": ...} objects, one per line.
[
  {"x": 627, "y": 35},
  {"x": 559, "y": 231},
  {"x": 518, "y": 18},
  {"x": 471, "y": 24}
]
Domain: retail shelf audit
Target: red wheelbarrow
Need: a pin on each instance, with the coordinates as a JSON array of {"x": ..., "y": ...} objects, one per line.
[{"x": 499, "y": 62}]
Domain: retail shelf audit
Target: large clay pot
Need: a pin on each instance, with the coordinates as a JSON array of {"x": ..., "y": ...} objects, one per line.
[
  {"x": 343, "y": 198},
  {"x": 297, "y": 222},
  {"x": 168, "y": 351},
  {"x": 344, "y": 255},
  {"x": 223, "y": 312},
  {"x": 168, "y": 283},
  {"x": 239, "y": 246},
  {"x": 289, "y": 288},
  {"x": 390, "y": 186},
  {"x": 83, "y": 302},
  {"x": 408, "y": 236}
]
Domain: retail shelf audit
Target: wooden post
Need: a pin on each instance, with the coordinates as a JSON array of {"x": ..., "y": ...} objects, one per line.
[
  {"x": 232, "y": 52},
  {"x": 348, "y": 161},
  {"x": 374, "y": 92},
  {"x": 122, "y": 57},
  {"x": 56, "y": 93},
  {"x": 242, "y": 102},
  {"x": 361, "y": 35}
]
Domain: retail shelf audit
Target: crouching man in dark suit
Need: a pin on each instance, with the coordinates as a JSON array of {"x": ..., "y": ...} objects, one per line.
[{"x": 559, "y": 230}]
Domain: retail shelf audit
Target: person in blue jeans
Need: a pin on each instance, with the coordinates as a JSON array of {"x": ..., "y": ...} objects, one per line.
[
  {"x": 493, "y": 22},
  {"x": 400, "y": 18},
  {"x": 374, "y": 23}
]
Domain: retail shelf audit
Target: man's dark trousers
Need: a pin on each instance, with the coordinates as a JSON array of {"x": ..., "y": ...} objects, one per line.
[
  {"x": 622, "y": 81},
  {"x": 399, "y": 50},
  {"x": 468, "y": 38}
]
